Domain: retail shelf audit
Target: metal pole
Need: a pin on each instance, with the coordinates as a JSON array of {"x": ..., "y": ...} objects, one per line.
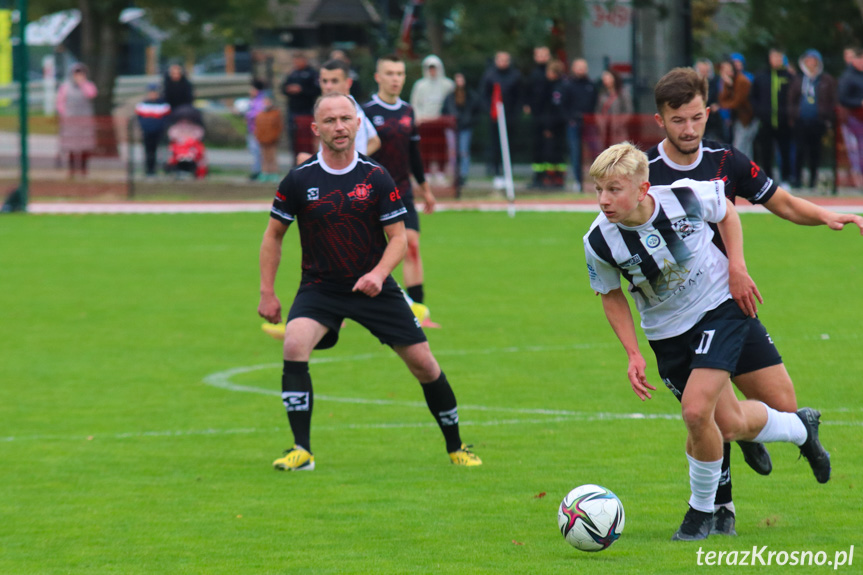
[{"x": 22, "y": 67}]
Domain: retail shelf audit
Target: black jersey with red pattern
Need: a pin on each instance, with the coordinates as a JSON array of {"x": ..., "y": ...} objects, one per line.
[
  {"x": 341, "y": 215},
  {"x": 396, "y": 128},
  {"x": 716, "y": 161}
]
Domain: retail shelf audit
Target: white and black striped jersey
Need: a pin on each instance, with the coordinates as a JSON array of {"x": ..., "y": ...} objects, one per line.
[{"x": 676, "y": 273}]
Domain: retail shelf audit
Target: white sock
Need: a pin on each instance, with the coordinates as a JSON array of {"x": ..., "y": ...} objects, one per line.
[
  {"x": 782, "y": 426},
  {"x": 703, "y": 481}
]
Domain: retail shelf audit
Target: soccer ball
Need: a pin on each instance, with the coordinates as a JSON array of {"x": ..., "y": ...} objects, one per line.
[{"x": 591, "y": 518}]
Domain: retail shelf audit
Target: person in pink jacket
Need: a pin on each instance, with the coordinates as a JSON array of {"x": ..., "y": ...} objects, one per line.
[{"x": 77, "y": 126}]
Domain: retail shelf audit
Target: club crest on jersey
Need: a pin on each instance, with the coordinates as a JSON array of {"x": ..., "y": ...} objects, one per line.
[
  {"x": 360, "y": 192},
  {"x": 312, "y": 194},
  {"x": 683, "y": 227},
  {"x": 653, "y": 242},
  {"x": 378, "y": 120}
]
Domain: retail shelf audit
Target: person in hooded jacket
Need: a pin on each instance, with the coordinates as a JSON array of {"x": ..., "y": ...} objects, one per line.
[
  {"x": 427, "y": 98},
  {"x": 811, "y": 105}
]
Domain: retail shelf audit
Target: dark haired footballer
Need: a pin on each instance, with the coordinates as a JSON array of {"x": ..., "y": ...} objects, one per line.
[
  {"x": 681, "y": 97},
  {"x": 393, "y": 118}
]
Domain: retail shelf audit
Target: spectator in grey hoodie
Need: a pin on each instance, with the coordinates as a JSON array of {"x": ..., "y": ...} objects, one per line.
[{"x": 811, "y": 105}]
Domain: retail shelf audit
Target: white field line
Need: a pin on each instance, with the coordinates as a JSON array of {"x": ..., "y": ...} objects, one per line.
[{"x": 222, "y": 380}]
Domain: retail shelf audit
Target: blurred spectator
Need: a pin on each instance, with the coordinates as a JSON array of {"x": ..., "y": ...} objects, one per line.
[
  {"x": 464, "y": 104},
  {"x": 811, "y": 105},
  {"x": 613, "y": 109},
  {"x": 739, "y": 63},
  {"x": 734, "y": 100},
  {"x": 427, "y": 97},
  {"x": 716, "y": 128},
  {"x": 769, "y": 97},
  {"x": 535, "y": 92},
  {"x": 256, "y": 105},
  {"x": 177, "y": 90},
  {"x": 77, "y": 125},
  {"x": 152, "y": 114},
  {"x": 268, "y": 130},
  {"x": 581, "y": 101},
  {"x": 429, "y": 92},
  {"x": 500, "y": 84},
  {"x": 851, "y": 99},
  {"x": 552, "y": 115},
  {"x": 302, "y": 89},
  {"x": 356, "y": 90}
]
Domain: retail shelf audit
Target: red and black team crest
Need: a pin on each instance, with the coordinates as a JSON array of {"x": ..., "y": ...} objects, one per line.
[{"x": 360, "y": 192}]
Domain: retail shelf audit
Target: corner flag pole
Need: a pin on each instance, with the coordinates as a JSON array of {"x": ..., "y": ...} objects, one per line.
[{"x": 504, "y": 153}]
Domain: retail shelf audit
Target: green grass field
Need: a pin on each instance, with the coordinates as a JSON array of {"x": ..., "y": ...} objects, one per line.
[{"x": 139, "y": 408}]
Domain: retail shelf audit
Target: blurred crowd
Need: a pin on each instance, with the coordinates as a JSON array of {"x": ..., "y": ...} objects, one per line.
[{"x": 780, "y": 115}]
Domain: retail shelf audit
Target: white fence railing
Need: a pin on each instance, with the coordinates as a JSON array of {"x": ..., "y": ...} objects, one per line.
[{"x": 132, "y": 87}]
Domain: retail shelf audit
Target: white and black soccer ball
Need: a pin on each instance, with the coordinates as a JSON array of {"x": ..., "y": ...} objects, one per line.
[{"x": 591, "y": 518}]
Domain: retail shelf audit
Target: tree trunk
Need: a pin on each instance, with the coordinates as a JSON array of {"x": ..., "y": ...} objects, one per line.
[
  {"x": 434, "y": 32},
  {"x": 100, "y": 45}
]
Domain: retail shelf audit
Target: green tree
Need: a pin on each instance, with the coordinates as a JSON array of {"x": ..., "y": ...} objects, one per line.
[
  {"x": 102, "y": 33},
  {"x": 471, "y": 31},
  {"x": 796, "y": 25}
]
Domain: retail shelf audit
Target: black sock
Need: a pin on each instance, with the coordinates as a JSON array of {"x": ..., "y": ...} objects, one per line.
[
  {"x": 723, "y": 492},
  {"x": 416, "y": 293},
  {"x": 298, "y": 399},
  {"x": 441, "y": 402}
]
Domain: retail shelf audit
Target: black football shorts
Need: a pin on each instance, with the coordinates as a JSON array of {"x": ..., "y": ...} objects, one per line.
[
  {"x": 387, "y": 316},
  {"x": 715, "y": 342}
]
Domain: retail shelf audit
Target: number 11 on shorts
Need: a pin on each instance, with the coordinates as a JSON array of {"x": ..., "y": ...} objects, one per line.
[{"x": 706, "y": 338}]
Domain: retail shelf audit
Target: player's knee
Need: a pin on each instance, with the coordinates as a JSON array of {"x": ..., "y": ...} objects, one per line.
[
  {"x": 695, "y": 416},
  {"x": 296, "y": 350},
  {"x": 425, "y": 369}
]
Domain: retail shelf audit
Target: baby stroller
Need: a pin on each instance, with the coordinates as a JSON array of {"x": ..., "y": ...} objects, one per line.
[{"x": 186, "y": 152}]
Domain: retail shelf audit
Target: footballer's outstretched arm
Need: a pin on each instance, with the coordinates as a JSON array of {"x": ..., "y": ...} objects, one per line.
[
  {"x": 805, "y": 213},
  {"x": 742, "y": 287},
  {"x": 270, "y": 308},
  {"x": 619, "y": 315}
]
